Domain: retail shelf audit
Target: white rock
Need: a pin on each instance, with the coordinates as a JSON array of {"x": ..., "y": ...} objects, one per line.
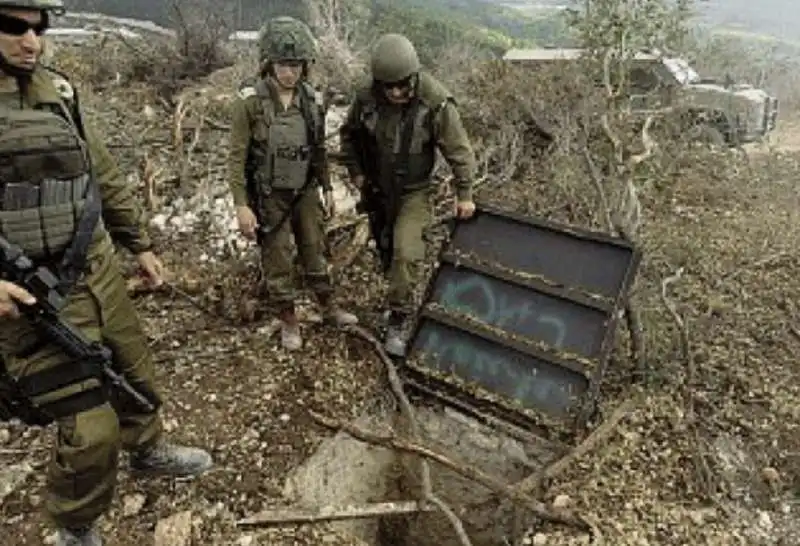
[
  {"x": 561, "y": 502},
  {"x": 12, "y": 477},
  {"x": 132, "y": 504},
  {"x": 539, "y": 539},
  {"x": 175, "y": 530}
]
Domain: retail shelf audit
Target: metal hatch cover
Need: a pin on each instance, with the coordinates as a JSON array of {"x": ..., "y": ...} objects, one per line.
[{"x": 519, "y": 318}]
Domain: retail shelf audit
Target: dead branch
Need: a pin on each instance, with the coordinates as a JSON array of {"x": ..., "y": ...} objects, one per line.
[
  {"x": 178, "y": 116},
  {"x": 534, "y": 482},
  {"x": 331, "y": 513},
  {"x": 407, "y": 411},
  {"x": 186, "y": 159},
  {"x": 469, "y": 472},
  {"x": 149, "y": 177},
  {"x": 683, "y": 332},
  {"x": 343, "y": 258},
  {"x": 21, "y": 451}
]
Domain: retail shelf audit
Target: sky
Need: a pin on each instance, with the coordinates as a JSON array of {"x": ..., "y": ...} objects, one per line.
[{"x": 777, "y": 18}]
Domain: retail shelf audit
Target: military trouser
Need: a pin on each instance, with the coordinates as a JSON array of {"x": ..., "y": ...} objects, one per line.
[
  {"x": 413, "y": 216},
  {"x": 83, "y": 467},
  {"x": 306, "y": 224}
]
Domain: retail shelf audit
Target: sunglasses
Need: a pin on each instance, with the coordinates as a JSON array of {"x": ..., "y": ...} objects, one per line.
[
  {"x": 291, "y": 63},
  {"x": 19, "y": 27},
  {"x": 405, "y": 83}
]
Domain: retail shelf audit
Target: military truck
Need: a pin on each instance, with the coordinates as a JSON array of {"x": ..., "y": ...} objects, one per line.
[{"x": 719, "y": 113}]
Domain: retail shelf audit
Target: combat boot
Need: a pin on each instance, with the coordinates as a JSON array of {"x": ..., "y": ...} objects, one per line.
[
  {"x": 396, "y": 335},
  {"x": 339, "y": 317},
  {"x": 79, "y": 536},
  {"x": 164, "y": 459},
  {"x": 334, "y": 314},
  {"x": 291, "y": 340}
]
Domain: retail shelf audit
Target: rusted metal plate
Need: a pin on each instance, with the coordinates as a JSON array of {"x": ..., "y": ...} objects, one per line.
[
  {"x": 565, "y": 256},
  {"x": 522, "y": 310},
  {"x": 515, "y": 375},
  {"x": 520, "y": 307}
]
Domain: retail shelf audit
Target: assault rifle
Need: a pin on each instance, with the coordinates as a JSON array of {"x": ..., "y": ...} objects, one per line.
[{"x": 43, "y": 285}]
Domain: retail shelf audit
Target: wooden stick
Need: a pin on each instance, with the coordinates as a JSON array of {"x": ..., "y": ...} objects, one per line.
[
  {"x": 332, "y": 513},
  {"x": 534, "y": 481}
]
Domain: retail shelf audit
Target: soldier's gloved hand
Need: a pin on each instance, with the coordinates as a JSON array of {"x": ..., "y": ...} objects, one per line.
[
  {"x": 247, "y": 221},
  {"x": 10, "y": 295},
  {"x": 330, "y": 204},
  {"x": 465, "y": 209},
  {"x": 151, "y": 268}
]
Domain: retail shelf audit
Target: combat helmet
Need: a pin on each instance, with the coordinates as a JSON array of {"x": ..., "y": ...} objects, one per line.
[
  {"x": 286, "y": 39},
  {"x": 56, "y": 6},
  {"x": 394, "y": 58}
]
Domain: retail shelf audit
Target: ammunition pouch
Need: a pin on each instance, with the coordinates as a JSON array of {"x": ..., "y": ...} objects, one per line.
[
  {"x": 16, "y": 396},
  {"x": 15, "y": 406},
  {"x": 294, "y": 153},
  {"x": 21, "y": 393}
]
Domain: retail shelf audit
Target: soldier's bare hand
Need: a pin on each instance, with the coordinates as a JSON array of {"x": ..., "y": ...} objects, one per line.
[
  {"x": 465, "y": 209},
  {"x": 358, "y": 181},
  {"x": 10, "y": 296},
  {"x": 151, "y": 268},
  {"x": 247, "y": 221},
  {"x": 330, "y": 204}
]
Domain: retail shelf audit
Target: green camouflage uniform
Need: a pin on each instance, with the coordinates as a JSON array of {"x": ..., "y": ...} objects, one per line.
[
  {"x": 282, "y": 170},
  {"x": 93, "y": 423},
  {"x": 372, "y": 141},
  {"x": 277, "y": 158},
  {"x": 82, "y": 475}
]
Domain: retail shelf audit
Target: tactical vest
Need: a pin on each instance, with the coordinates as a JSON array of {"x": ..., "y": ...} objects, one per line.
[
  {"x": 49, "y": 204},
  {"x": 409, "y": 164},
  {"x": 281, "y": 152}
]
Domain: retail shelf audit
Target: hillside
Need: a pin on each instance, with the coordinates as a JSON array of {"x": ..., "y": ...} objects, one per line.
[
  {"x": 695, "y": 439},
  {"x": 475, "y": 22}
]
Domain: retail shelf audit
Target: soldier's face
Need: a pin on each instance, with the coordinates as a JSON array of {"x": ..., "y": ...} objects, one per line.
[
  {"x": 21, "y": 36},
  {"x": 398, "y": 92},
  {"x": 288, "y": 73}
]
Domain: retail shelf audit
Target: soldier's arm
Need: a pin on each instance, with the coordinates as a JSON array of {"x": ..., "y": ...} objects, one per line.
[
  {"x": 453, "y": 141},
  {"x": 240, "y": 136},
  {"x": 123, "y": 211},
  {"x": 348, "y": 144}
]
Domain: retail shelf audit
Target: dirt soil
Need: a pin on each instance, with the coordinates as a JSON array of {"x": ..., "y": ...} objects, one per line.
[{"x": 726, "y": 473}]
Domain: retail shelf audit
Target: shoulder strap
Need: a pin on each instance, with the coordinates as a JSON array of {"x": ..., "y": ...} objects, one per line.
[
  {"x": 69, "y": 95},
  {"x": 313, "y": 108},
  {"x": 401, "y": 170},
  {"x": 267, "y": 106},
  {"x": 435, "y": 112},
  {"x": 74, "y": 260}
]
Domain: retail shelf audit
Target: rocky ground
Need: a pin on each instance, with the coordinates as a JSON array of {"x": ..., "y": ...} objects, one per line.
[{"x": 709, "y": 452}]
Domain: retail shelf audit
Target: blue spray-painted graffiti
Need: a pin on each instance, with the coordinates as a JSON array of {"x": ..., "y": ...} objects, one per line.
[
  {"x": 484, "y": 299},
  {"x": 504, "y": 371}
]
